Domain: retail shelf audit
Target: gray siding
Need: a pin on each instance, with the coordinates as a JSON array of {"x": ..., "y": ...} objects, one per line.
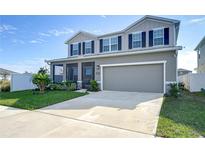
[
  {"x": 201, "y": 60},
  {"x": 145, "y": 25},
  {"x": 167, "y": 56}
]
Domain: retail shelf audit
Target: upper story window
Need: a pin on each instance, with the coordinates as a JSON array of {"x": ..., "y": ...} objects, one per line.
[
  {"x": 88, "y": 47},
  {"x": 110, "y": 44},
  {"x": 158, "y": 37},
  {"x": 137, "y": 40},
  {"x": 114, "y": 44},
  {"x": 75, "y": 49},
  {"x": 106, "y": 44}
]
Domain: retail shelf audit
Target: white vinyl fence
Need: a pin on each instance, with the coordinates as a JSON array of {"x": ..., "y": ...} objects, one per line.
[
  {"x": 193, "y": 82},
  {"x": 22, "y": 82}
]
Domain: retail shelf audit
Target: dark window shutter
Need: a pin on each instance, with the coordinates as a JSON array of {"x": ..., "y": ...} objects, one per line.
[
  {"x": 71, "y": 50},
  {"x": 101, "y": 45},
  {"x": 151, "y": 38},
  {"x": 93, "y": 46},
  {"x": 83, "y": 47},
  {"x": 119, "y": 42},
  {"x": 79, "y": 48},
  {"x": 166, "y": 36},
  {"x": 143, "y": 39},
  {"x": 130, "y": 41}
]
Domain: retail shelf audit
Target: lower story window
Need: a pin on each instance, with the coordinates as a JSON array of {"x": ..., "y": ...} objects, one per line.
[
  {"x": 88, "y": 71},
  {"x": 58, "y": 73}
]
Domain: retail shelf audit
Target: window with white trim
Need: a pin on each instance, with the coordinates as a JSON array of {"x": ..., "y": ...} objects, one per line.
[
  {"x": 106, "y": 45},
  {"x": 110, "y": 44},
  {"x": 114, "y": 43},
  {"x": 75, "y": 49},
  {"x": 137, "y": 40},
  {"x": 88, "y": 47},
  {"x": 158, "y": 37}
]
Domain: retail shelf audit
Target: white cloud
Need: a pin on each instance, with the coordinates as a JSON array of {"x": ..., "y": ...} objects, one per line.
[
  {"x": 56, "y": 32},
  {"x": 197, "y": 20},
  {"x": 16, "y": 41},
  {"x": 187, "y": 60},
  {"x": 44, "y": 34},
  {"x": 64, "y": 31},
  {"x": 31, "y": 65},
  {"x": 7, "y": 28},
  {"x": 103, "y": 16},
  {"x": 37, "y": 41}
]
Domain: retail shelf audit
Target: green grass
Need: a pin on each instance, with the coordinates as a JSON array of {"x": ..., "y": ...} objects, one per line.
[
  {"x": 182, "y": 117},
  {"x": 28, "y": 100}
]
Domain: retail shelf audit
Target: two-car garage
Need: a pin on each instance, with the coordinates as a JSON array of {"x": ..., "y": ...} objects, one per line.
[{"x": 132, "y": 77}]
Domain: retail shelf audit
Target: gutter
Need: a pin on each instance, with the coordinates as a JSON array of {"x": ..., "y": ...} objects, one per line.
[{"x": 117, "y": 53}]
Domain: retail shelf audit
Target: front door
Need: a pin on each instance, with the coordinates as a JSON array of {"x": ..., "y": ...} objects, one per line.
[{"x": 88, "y": 72}]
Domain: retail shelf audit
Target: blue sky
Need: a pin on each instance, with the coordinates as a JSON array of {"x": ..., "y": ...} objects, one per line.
[{"x": 26, "y": 41}]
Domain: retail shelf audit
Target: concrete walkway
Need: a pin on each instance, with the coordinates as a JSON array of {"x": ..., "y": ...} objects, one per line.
[{"x": 102, "y": 114}]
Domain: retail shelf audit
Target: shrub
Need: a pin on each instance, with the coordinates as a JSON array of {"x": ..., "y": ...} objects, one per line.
[
  {"x": 67, "y": 83},
  {"x": 93, "y": 85},
  {"x": 5, "y": 85},
  {"x": 72, "y": 87},
  {"x": 203, "y": 90},
  {"x": 181, "y": 86},
  {"x": 57, "y": 86},
  {"x": 174, "y": 90},
  {"x": 41, "y": 79}
]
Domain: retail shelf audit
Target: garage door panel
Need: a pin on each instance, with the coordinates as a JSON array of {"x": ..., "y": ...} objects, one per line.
[{"x": 143, "y": 78}]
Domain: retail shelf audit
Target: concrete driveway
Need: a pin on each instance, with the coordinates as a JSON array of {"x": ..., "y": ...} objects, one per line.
[{"x": 101, "y": 114}]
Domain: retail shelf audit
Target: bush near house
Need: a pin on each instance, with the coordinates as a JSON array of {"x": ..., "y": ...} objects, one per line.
[
  {"x": 94, "y": 85},
  {"x": 65, "y": 85},
  {"x": 174, "y": 90},
  {"x": 5, "y": 85},
  {"x": 41, "y": 79}
]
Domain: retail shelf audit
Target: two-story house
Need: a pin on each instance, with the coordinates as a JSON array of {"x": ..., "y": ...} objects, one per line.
[
  {"x": 142, "y": 57},
  {"x": 200, "y": 49}
]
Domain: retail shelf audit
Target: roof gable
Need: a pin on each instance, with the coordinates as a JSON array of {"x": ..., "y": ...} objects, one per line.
[
  {"x": 81, "y": 33},
  {"x": 153, "y": 18}
]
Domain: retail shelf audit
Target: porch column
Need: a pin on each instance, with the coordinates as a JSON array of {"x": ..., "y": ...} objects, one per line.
[
  {"x": 79, "y": 82},
  {"x": 51, "y": 71},
  {"x": 64, "y": 72}
]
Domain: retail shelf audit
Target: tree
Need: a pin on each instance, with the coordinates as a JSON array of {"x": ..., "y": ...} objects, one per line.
[
  {"x": 43, "y": 70},
  {"x": 41, "y": 79}
]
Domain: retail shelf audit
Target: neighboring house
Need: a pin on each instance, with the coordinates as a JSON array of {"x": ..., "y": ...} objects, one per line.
[
  {"x": 5, "y": 74},
  {"x": 182, "y": 71},
  {"x": 141, "y": 57},
  {"x": 200, "y": 48}
]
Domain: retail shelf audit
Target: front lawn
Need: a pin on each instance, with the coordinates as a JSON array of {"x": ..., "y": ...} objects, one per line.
[
  {"x": 28, "y": 100},
  {"x": 183, "y": 116}
]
